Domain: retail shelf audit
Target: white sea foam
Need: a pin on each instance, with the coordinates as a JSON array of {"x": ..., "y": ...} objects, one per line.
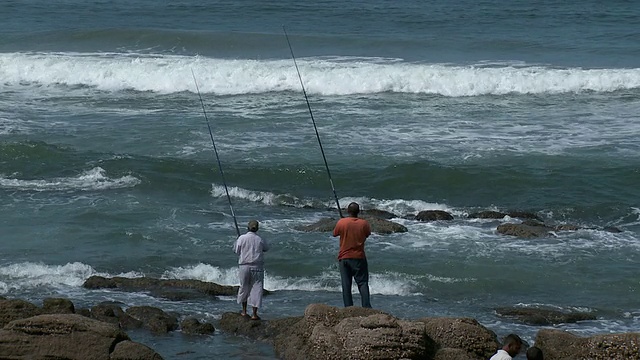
[
  {"x": 265, "y": 197},
  {"x": 396, "y": 206},
  {"x": 467, "y": 236},
  {"x": 30, "y": 275},
  {"x": 326, "y": 75},
  {"x": 94, "y": 179},
  {"x": 328, "y": 280}
]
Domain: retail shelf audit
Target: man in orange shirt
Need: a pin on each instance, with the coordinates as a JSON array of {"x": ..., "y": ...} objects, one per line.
[{"x": 352, "y": 260}]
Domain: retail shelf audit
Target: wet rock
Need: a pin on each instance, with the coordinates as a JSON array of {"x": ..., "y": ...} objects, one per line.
[
  {"x": 193, "y": 326},
  {"x": 487, "y": 215},
  {"x": 235, "y": 323},
  {"x": 160, "y": 286},
  {"x": 62, "y": 336},
  {"x": 562, "y": 345},
  {"x": 153, "y": 318},
  {"x": 452, "y": 354},
  {"x": 129, "y": 350},
  {"x": 84, "y": 312},
  {"x": 523, "y": 215},
  {"x": 383, "y": 226},
  {"x": 326, "y": 332},
  {"x": 566, "y": 227},
  {"x": 378, "y": 225},
  {"x": 464, "y": 334},
  {"x": 433, "y": 215},
  {"x": 539, "y": 316},
  {"x": 14, "y": 309},
  {"x": 113, "y": 314},
  {"x": 533, "y": 222},
  {"x": 57, "y": 306},
  {"x": 523, "y": 230},
  {"x": 382, "y": 214}
]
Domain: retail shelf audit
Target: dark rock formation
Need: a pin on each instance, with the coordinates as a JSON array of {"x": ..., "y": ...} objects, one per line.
[
  {"x": 539, "y": 316},
  {"x": 524, "y": 230},
  {"x": 378, "y": 225},
  {"x": 57, "y": 306},
  {"x": 129, "y": 350},
  {"x": 193, "y": 326},
  {"x": 562, "y": 345},
  {"x": 489, "y": 214},
  {"x": 160, "y": 286},
  {"x": 326, "y": 333},
  {"x": 153, "y": 318},
  {"x": 113, "y": 314},
  {"x": 433, "y": 215},
  {"x": 15, "y": 309},
  {"x": 65, "y": 336},
  {"x": 382, "y": 214},
  {"x": 462, "y": 334}
]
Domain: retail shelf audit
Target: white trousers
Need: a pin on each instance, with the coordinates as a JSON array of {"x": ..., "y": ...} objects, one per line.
[{"x": 251, "y": 285}]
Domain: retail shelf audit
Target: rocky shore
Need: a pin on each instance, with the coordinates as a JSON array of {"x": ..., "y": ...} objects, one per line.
[{"x": 57, "y": 330}]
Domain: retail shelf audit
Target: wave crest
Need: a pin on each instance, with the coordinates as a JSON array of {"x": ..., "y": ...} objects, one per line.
[
  {"x": 94, "y": 179},
  {"x": 322, "y": 75}
]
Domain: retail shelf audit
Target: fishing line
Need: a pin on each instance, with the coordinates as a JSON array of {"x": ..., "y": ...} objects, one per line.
[
  {"x": 313, "y": 121},
  {"x": 224, "y": 182}
]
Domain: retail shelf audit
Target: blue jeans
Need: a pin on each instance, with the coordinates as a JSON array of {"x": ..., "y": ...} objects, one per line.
[{"x": 357, "y": 269}]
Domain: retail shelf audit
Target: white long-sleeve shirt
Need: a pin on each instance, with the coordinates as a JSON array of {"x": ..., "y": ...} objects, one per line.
[
  {"x": 250, "y": 249},
  {"x": 501, "y": 355}
]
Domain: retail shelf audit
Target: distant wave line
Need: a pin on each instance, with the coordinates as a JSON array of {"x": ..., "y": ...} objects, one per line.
[
  {"x": 94, "y": 179},
  {"x": 322, "y": 75}
]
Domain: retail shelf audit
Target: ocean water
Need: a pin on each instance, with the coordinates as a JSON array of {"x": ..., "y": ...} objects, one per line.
[{"x": 107, "y": 166}]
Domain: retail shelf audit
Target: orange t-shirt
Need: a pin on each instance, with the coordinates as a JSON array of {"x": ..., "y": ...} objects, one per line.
[{"x": 353, "y": 233}]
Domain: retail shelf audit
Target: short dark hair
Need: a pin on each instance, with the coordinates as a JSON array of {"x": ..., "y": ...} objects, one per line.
[
  {"x": 534, "y": 353},
  {"x": 512, "y": 339},
  {"x": 353, "y": 208},
  {"x": 253, "y": 226}
]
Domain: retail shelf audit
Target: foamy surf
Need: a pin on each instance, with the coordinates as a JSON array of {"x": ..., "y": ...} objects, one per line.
[
  {"x": 328, "y": 280},
  {"x": 326, "y": 75},
  {"x": 30, "y": 275},
  {"x": 93, "y": 179}
]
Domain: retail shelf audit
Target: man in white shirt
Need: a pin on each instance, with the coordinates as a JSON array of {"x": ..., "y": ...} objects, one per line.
[
  {"x": 510, "y": 348},
  {"x": 250, "y": 249}
]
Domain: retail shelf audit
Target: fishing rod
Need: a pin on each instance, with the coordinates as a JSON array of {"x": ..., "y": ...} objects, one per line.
[
  {"x": 313, "y": 121},
  {"x": 217, "y": 156}
]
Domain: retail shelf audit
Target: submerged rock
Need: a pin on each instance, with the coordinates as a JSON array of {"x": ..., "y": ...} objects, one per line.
[
  {"x": 524, "y": 230},
  {"x": 382, "y": 214},
  {"x": 154, "y": 319},
  {"x": 168, "y": 287},
  {"x": 539, "y": 316},
  {"x": 193, "y": 326},
  {"x": 378, "y": 225},
  {"x": 433, "y": 215},
  {"x": 490, "y": 214}
]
